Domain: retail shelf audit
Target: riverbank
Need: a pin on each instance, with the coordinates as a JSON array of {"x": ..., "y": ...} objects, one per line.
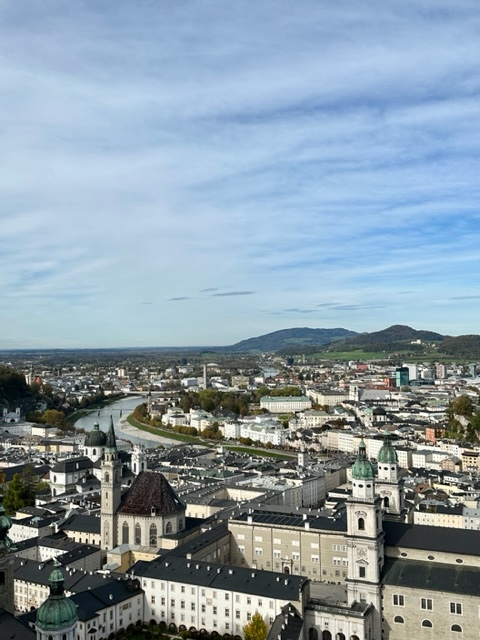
[
  {"x": 81, "y": 413},
  {"x": 171, "y": 437}
]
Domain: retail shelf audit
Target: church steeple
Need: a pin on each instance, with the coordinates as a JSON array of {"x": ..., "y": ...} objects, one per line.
[
  {"x": 111, "y": 490},
  {"x": 111, "y": 443}
]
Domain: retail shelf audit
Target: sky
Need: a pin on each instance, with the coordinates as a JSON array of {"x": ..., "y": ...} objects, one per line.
[{"x": 201, "y": 172}]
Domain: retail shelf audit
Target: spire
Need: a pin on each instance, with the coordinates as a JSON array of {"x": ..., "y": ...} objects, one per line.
[{"x": 111, "y": 439}]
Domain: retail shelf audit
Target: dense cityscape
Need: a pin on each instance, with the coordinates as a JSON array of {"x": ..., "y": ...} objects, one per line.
[
  {"x": 239, "y": 346},
  {"x": 169, "y": 493}
]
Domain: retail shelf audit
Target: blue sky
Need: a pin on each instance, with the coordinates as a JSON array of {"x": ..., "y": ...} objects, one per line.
[{"x": 197, "y": 173}]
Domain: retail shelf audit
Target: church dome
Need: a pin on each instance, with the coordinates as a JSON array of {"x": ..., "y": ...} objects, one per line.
[
  {"x": 5, "y": 525},
  {"x": 387, "y": 454},
  {"x": 362, "y": 468},
  {"x": 96, "y": 438},
  {"x": 57, "y": 612},
  {"x": 379, "y": 411}
]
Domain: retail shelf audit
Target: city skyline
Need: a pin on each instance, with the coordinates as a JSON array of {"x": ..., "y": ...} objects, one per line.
[{"x": 182, "y": 174}]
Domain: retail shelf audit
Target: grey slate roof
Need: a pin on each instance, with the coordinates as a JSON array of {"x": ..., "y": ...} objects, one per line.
[
  {"x": 414, "y": 536},
  {"x": 315, "y": 522},
  {"x": 287, "y": 625},
  {"x": 13, "y": 629},
  {"x": 207, "y": 574},
  {"x": 81, "y": 523},
  {"x": 431, "y": 576},
  {"x": 80, "y": 463}
]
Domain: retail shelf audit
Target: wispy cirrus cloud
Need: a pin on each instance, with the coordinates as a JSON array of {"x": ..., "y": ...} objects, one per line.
[{"x": 336, "y": 160}]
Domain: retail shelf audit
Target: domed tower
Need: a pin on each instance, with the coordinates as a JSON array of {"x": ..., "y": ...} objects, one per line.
[
  {"x": 95, "y": 442},
  {"x": 389, "y": 485},
  {"x": 365, "y": 538},
  {"x": 6, "y": 562},
  {"x": 57, "y": 616},
  {"x": 111, "y": 483}
]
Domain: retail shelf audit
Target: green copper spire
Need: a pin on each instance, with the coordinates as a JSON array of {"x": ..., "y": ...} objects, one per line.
[
  {"x": 387, "y": 454},
  {"x": 57, "y": 612},
  {"x": 362, "y": 468}
]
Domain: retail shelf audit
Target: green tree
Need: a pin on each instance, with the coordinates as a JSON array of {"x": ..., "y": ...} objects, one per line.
[
  {"x": 22, "y": 490},
  {"x": 256, "y": 629},
  {"x": 55, "y": 418}
]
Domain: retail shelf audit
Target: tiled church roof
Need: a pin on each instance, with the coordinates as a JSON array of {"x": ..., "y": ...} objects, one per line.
[{"x": 151, "y": 493}]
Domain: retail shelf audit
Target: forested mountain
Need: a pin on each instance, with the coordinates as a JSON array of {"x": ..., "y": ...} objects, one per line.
[
  {"x": 289, "y": 337},
  {"x": 461, "y": 346}
]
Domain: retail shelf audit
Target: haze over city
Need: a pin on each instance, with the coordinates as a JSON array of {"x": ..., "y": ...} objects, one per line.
[{"x": 198, "y": 173}]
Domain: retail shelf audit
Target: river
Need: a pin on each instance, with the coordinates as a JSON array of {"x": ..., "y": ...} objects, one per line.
[{"x": 120, "y": 410}]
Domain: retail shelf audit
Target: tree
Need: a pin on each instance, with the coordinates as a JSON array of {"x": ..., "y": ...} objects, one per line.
[
  {"x": 54, "y": 418},
  {"x": 256, "y": 629},
  {"x": 21, "y": 491}
]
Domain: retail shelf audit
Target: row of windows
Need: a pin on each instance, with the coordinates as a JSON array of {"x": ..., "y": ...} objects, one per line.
[
  {"x": 428, "y": 624},
  {"x": 398, "y": 600},
  {"x": 153, "y": 533}
]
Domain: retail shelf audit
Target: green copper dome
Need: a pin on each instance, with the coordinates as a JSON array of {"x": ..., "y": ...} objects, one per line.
[
  {"x": 362, "y": 468},
  {"x": 96, "y": 438},
  {"x": 57, "y": 612},
  {"x": 5, "y": 524},
  {"x": 387, "y": 453}
]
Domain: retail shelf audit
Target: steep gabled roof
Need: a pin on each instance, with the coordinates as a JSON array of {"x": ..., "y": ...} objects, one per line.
[{"x": 151, "y": 492}]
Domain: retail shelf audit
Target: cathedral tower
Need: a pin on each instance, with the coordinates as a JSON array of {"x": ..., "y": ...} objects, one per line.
[
  {"x": 365, "y": 539},
  {"x": 389, "y": 485},
  {"x": 111, "y": 490}
]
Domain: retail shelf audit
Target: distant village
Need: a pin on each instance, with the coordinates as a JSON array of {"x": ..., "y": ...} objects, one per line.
[{"x": 326, "y": 507}]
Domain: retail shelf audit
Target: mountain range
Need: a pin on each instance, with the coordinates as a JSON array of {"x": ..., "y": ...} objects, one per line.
[{"x": 397, "y": 338}]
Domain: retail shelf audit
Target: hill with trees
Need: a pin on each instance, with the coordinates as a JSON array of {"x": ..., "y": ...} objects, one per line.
[{"x": 295, "y": 337}]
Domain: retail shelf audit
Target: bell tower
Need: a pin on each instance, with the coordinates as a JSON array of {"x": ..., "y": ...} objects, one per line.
[
  {"x": 365, "y": 539},
  {"x": 111, "y": 490},
  {"x": 389, "y": 484}
]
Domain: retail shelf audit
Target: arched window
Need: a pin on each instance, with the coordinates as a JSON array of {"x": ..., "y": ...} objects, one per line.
[
  {"x": 2, "y": 577},
  {"x": 125, "y": 534},
  {"x": 286, "y": 570},
  {"x": 94, "y": 452},
  {"x": 399, "y": 620},
  {"x": 427, "y": 623},
  {"x": 326, "y": 635},
  {"x": 340, "y": 636},
  {"x": 457, "y": 628},
  {"x": 354, "y": 638},
  {"x": 107, "y": 533},
  {"x": 312, "y": 634},
  {"x": 64, "y": 637},
  {"x": 107, "y": 477},
  {"x": 153, "y": 535},
  {"x": 180, "y": 524},
  {"x": 138, "y": 534},
  {"x": 386, "y": 502},
  {"x": 168, "y": 527},
  {"x": 361, "y": 524}
]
